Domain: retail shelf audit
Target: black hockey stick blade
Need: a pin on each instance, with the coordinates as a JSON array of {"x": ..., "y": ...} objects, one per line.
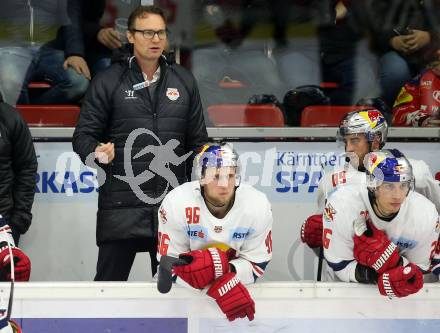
[{"x": 164, "y": 278}]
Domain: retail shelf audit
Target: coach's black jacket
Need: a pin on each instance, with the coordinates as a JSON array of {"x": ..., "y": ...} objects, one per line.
[
  {"x": 18, "y": 168},
  {"x": 112, "y": 109}
]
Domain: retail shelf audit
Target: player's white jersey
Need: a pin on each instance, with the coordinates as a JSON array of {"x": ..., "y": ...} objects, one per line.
[
  {"x": 425, "y": 183},
  {"x": 186, "y": 224},
  {"x": 415, "y": 229},
  {"x": 338, "y": 177}
]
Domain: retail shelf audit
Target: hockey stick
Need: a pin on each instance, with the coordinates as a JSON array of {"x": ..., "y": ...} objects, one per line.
[
  {"x": 320, "y": 260},
  {"x": 164, "y": 274},
  {"x": 11, "y": 291},
  {"x": 321, "y": 249}
]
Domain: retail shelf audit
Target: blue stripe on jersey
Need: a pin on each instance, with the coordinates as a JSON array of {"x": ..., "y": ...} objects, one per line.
[
  {"x": 339, "y": 265},
  {"x": 3, "y": 221},
  {"x": 435, "y": 266},
  {"x": 261, "y": 265}
]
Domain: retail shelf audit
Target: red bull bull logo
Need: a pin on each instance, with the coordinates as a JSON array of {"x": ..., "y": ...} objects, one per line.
[{"x": 375, "y": 118}]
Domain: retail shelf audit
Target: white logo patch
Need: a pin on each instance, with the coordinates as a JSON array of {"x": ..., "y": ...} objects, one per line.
[
  {"x": 173, "y": 94},
  {"x": 436, "y": 95},
  {"x": 130, "y": 94}
]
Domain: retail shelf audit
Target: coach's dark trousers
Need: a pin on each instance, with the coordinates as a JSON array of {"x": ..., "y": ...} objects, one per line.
[{"x": 115, "y": 258}]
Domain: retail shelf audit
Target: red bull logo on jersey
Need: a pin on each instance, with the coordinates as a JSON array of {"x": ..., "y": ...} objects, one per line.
[
  {"x": 329, "y": 212},
  {"x": 163, "y": 215}
]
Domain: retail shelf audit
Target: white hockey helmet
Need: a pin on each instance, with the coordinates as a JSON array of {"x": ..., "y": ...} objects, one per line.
[{"x": 217, "y": 156}]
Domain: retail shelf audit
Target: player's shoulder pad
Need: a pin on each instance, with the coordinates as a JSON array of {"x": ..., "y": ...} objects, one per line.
[
  {"x": 422, "y": 207},
  {"x": 421, "y": 172},
  {"x": 187, "y": 190},
  {"x": 420, "y": 204},
  {"x": 347, "y": 197},
  {"x": 249, "y": 196},
  {"x": 328, "y": 174},
  {"x": 349, "y": 192}
]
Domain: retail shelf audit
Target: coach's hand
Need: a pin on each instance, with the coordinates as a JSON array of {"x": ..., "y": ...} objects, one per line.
[{"x": 105, "y": 153}]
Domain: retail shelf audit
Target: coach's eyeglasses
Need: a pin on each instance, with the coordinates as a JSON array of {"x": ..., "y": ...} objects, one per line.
[{"x": 149, "y": 34}]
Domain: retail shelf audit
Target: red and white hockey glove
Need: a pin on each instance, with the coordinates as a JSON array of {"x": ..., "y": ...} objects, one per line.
[
  {"x": 311, "y": 231},
  {"x": 232, "y": 297},
  {"x": 204, "y": 266},
  {"x": 400, "y": 281},
  {"x": 375, "y": 250},
  {"x": 22, "y": 264}
]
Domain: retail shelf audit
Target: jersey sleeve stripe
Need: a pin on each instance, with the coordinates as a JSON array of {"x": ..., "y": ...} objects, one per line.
[
  {"x": 435, "y": 267},
  {"x": 339, "y": 265},
  {"x": 5, "y": 228},
  {"x": 258, "y": 269}
]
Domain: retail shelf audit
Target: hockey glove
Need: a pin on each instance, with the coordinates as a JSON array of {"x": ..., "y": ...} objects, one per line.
[
  {"x": 375, "y": 250},
  {"x": 232, "y": 297},
  {"x": 311, "y": 231},
  {"x": 400, "y": 281},
  {"x": 22, "y": 264},
  {"x": 204, "y": 266}
]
